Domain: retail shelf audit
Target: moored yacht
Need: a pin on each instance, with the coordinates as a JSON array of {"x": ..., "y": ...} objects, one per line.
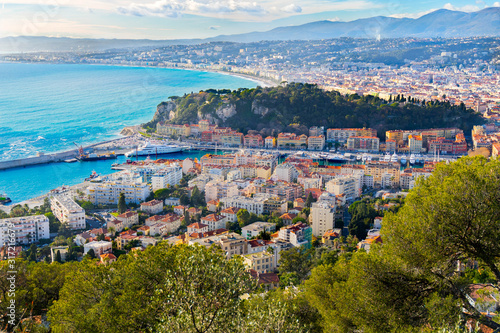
[{"x": 154, "y": 149}]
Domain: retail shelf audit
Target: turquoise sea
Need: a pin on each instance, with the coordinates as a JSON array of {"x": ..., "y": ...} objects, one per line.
[{"x": 47, "y": 107}]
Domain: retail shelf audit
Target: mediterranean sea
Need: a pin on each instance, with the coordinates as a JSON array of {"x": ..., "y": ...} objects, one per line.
[{"x": 47, "y": 107}]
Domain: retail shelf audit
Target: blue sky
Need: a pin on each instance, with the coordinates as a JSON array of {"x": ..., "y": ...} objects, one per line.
[{"x": 174, "y": 19}]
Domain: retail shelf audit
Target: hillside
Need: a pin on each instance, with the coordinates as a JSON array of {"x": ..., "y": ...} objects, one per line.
[{"x": 296, "y": 107}]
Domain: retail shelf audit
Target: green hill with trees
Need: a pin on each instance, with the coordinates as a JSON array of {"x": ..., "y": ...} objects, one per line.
[{"x": 295, "y": 107}]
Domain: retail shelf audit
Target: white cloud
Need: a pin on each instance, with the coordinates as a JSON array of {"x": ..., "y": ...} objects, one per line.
[
  {"x": 292, "y": 8},
  {"x": 175, "y": 8},
  {"x": 496, "y": 4},
  {"x": 335, "y": 19},
  {"x": 466, "y": 8}
]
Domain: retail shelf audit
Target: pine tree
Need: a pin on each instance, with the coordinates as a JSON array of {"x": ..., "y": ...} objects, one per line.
[
  {"x": 309, "y": 200},
  {"x": 58, "y": 256},
  {"x": 122, "y": 205}
]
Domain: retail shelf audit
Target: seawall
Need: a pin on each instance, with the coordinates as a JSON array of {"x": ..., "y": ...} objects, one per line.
[{"x": 48, "y": 158}]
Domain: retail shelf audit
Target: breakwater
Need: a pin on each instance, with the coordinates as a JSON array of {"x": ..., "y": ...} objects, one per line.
[{"x": 48, "y": 158}]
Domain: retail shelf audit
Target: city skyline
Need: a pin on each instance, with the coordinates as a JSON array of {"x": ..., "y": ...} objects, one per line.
[{"x": 173, "y": 19}]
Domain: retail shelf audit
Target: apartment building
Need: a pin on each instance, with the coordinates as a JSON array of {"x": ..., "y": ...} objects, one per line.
[
  {"x": 67, "y": 211},
  {"x": 299, "y": 234},
  {"x": 152, "y": 207},
  {"x": 170, "y": 175},
  {"x": 254, "y": 229},
  {"x": 286, "y": 172},
  {"x": 379, "y": 168},
  {"x": 291, "y": 140},
  {"x": 253, "y": 141},
  {"x": 363, "y": 143},
  {"x": 108, "y": 192},
  {"x": 23, "y": 230},
  {"x": 253, "y": 205},
  {"x": 269, "y": 142},
  {"x": 99, "y": 247},
  {"x": 128, "y": 219},
  {"x": 342, "y": 134},
  {"x": 261, "y": 262},
  {"x": 323, "y": 217},
  {"x": 349, "y": 185},
  {"x": 415, "y": 144},
  {"x": 214, "y": 221},
  {"x": 316, "y": 142},
  {"x": 215, "y": 190},
  {"x": 163, "y": 128}
]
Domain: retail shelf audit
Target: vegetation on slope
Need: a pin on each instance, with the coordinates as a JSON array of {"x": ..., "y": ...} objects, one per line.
[
  {"x": 296, "y": 106},
  {"x": 409, "y": 284}
]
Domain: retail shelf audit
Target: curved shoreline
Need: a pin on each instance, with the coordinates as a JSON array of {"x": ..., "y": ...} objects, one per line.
[{"x": 117, "y": 135}]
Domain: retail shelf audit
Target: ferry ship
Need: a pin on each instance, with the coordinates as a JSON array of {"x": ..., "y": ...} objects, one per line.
[
  {"x": 153, "y": 149},
  {"x": 95, "y": 157}
]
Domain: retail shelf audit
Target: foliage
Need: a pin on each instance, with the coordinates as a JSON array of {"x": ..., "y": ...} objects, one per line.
[
  {"x": 197, "y": 198},
  {"x": 122, "y": 205},
  {"x": 411, "y": 283},
  {"x": 162, "y": 289},
  {"x": 307, "y": 105},
  {"x": 243, "y": 217}
]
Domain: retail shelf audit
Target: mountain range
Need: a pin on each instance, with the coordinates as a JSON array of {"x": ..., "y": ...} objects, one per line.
[{"x": 440, "y": 23}]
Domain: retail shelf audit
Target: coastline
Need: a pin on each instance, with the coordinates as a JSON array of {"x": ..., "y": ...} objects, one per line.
[{"x": 263, "y": 82}]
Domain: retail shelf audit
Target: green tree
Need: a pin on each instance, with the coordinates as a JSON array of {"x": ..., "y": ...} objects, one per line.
[
  {"x": 243, "y": 217},
  {"x": 295, "y": 260},
  {"x": 309, "y": 200},
  {"x": 32, "y": 253},
  {"x": 58, "y": 257},
  {"x": 184, "y": 199},
  {"x": 91, "y": 254},
  {"x": 122, "y": 204}
]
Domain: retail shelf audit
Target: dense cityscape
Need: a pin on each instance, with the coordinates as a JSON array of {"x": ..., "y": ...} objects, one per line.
[{"x": 290, "y": 229}]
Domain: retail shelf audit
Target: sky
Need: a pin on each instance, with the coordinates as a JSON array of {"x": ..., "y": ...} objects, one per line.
[{"x": 178, "y": 19}]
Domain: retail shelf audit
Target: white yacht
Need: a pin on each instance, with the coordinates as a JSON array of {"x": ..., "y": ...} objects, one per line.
[
  {"x": 403, "y": 160},
  {"x": 412, "y": 159},
  {"x": 394, "y": 157},
  {"x": 364, "y": 157},
  {"x": 387, "y": 157},
  {"x": 154, "y": 149}
]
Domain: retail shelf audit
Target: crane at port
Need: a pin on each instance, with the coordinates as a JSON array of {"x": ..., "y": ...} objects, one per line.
[{"x": 80, "y": 150}]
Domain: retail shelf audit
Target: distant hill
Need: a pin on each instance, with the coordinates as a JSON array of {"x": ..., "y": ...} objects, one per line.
[
  {"x": 296, "y": 107},
  {"x": 441, "y": 23}
]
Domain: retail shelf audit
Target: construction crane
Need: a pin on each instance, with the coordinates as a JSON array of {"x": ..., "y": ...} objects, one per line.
[{"x": 80, "y": 150}]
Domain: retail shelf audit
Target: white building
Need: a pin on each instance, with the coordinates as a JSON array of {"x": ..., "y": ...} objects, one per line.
[
  {"x": 23, "y": 230},
  {"x": 323, "y": 217},
  {"x": 152, "y": 207},
  {"x": 214, "y": 221},
  {"x": 99, "y": 247},
  {"x": 254, "y": 229},
  {"x": 262, "y": 262},
  {"x": 170, "y": 175},
  {"x": 200, "y": 181},
  {"x": 187, "y": 164},
  {"x": 67, "y": 211},
  {"x": 286, "y": 172},
  {"x": 253, "y": 205},
  {"x": 108, "y": 193},
  {"x": 345, "y": 184},
  {"x": 217, "y": 190}
]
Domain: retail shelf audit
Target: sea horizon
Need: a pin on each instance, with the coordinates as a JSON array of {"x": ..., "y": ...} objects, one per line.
[{"x": 143, "y": 89}]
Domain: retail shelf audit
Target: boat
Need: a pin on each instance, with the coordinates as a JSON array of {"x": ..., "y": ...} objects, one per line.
[
  {"x": 419, "y": 159},
  {"x": 154, "y": 149},
  {"x": 403, "y": 160},
  {"x": 4, "y": 199},
  {"x": 369, "y": 158},
  {"x": 394, "y": 157},
  {"x": 71, "y": 160},
  {"x": 358, "y": 157},
  {"x": 95, "y": 157},
  {"x": 336, "y": 158},
  {"x": 387, "y": 157},
  {"x": 412, "y": 159},
  {"x": 93, "y": 175}
]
